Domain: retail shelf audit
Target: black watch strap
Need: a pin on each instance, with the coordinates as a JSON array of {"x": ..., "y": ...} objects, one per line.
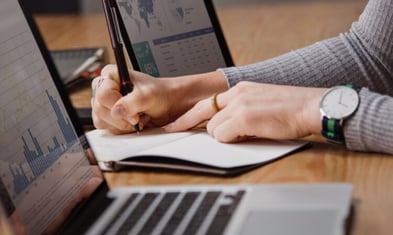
[{"x": 332, "y": 130}]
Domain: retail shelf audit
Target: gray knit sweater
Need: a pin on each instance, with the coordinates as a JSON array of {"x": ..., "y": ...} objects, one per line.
[{"x": 363, "y": 57}]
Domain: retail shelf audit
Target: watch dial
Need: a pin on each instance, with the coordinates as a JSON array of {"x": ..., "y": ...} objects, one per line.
[{"x": 339, "y": 102}]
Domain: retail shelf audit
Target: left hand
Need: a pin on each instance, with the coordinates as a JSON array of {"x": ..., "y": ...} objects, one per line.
[{"x": 255, "y": 109}]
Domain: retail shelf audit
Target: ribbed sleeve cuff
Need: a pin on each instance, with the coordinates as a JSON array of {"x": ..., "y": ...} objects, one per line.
[{"x": 370, "y": 129}]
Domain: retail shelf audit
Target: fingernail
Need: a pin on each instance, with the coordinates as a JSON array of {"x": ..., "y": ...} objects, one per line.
[
  {"x": 170, "y": 126},
  {"x": 132, "y": 121},
  {"x": 120, "y": 110}
]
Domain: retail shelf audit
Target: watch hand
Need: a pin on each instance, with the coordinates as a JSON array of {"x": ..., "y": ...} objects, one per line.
[{"x": 341, "y": 95}]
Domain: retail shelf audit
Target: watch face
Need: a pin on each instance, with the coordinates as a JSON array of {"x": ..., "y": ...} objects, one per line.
[{"x": 339, "y": 102}]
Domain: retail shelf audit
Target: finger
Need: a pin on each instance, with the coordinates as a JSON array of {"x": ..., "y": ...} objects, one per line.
[
  {"x": 226, "y": 133},
  {"x": 143, "y": 100},
  {"x": 231, "y": 114},
  {"x": 110, "y": 70},
  {"x": 144, "y": 120},
  {"x": 217, "y": 120},
  {"x": 98, "y": 120},
  {"x": 97, "y": 82},
  {"x": 106, "y": 91},
  {"x": 102, "y": 119},
  {"x": 106, "y": 95},
  {"x": 109, "y": 81},
  {"x": 128, "y": 108},
  {"x": 229, "y": 118},
  {"x": 201, "y": 112}
]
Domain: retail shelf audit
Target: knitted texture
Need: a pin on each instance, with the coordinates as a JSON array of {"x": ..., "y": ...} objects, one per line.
[{"x": 363, "y": 56}]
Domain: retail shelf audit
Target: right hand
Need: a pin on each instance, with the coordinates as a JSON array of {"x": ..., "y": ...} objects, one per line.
[
  {"x": 119, "y": 114},
  {"x": 154, "y": 102}
]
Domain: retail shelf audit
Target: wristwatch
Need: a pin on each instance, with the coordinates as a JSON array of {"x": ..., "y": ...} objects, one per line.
[{"x": 337, "y": 104}]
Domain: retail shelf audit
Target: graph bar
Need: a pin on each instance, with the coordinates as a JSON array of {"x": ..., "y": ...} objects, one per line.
[{"x": 36, "y": 159}]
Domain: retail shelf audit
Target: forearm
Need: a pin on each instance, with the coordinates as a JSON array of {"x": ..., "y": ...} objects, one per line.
[
  {"x": 363, "y": 57},
  {"x": 324, "y": 64}
]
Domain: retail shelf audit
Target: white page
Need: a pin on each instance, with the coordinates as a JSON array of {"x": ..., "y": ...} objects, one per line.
[
  {"x": 197, "y": 146},
  {"x": 110, "y": 147},
  {"x": 204, "y": 149}
]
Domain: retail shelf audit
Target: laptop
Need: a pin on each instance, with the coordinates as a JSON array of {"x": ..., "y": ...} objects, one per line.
[
  {"x": 50, "y": 182},
  {"x": 169, "y": 38}
]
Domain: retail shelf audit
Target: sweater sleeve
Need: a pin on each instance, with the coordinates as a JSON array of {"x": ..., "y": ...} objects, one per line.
[{"x": 363, "y": 56}]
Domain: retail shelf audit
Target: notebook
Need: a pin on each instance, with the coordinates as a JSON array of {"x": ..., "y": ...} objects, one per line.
[
  {"x": 172, "y": 37},
  {"x": 191, "y": 151},
  {"x": 50, "y": 182}
]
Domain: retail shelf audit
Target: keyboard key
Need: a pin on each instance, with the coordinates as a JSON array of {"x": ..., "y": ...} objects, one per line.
[
  {"x": 159, "y": 212},
  {"x": 181, "y": 210},
  {"x": 136, "y": 214},
  {"x": 203, "y": 209},
  {"x": 116, "y": 216},
  {"x": 224, "y": 214}
]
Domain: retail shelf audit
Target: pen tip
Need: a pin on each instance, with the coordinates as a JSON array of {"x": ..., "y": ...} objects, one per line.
[{"x": 137, "y": 128}]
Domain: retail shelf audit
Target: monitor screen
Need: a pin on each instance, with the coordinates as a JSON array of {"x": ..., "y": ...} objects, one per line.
[
  {"x": 44, "y": 171},
  {"x": 173, "y": 37}
]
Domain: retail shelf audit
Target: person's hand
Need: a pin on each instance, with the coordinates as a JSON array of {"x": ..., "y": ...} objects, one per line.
[
  {"x": 153, "y": 102},
  {"x": 253, "y": 109},
  {"x": 119, "y": 114}
]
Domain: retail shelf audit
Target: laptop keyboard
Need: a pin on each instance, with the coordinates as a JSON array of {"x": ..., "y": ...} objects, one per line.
[
  {"x": 175, "y": 213},
  {"x": 181, "y": 210}
]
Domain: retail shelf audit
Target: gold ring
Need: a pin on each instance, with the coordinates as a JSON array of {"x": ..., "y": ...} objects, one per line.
[{"x": 214, "y": 103}]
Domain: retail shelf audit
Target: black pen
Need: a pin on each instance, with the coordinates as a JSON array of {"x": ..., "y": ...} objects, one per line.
[{"x": 126, "y": 85}]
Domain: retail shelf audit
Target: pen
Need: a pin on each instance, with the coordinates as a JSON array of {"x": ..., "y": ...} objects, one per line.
[
  {"x": 126, "y": 85},
  {"x": 89, "y": 62}
]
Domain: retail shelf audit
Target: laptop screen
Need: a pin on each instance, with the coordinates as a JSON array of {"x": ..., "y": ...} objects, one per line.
[
  {"x": 44, "y": 171},
  {"x": 173, "y": 37}
]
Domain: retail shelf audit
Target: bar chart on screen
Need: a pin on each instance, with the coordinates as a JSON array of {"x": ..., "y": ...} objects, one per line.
[
  {"x": 30, "y": 118},
  {"x": 42, "y": 157},
  {"x": 36, "y": 161}
]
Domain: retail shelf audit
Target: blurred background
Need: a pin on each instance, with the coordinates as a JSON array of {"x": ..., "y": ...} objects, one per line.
[
  {"x": 91, "y": 6},
  {"x": 65, "y": 6}
]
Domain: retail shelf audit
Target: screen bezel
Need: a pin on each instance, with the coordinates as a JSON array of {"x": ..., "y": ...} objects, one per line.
[
  {"x": 52, "y": 69},
  {"x": 87, "y": 203}
]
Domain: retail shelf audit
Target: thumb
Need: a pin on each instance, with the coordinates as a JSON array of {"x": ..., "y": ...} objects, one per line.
[{"x": 123, "y": 109}]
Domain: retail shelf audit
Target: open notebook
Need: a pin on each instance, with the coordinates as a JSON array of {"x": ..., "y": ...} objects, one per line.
[
  {"x": 50, "y": 183},
  {"x": 188, "y": 151}
]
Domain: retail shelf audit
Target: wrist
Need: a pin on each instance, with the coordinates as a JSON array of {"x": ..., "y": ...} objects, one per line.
[
  {"x": 186, "y": 91},
  {"x": 310, "y": 115}
]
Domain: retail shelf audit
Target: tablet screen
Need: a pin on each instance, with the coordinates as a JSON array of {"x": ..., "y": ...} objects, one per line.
[{"x": 172, "y": 37}]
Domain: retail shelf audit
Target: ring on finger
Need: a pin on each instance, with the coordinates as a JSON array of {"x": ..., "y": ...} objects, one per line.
[
  {"x": 102, "y": 78},
  {"x": 214, "y": 102}
]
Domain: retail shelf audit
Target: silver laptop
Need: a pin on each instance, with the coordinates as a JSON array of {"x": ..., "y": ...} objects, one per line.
[{"x": 50, "y": 183}]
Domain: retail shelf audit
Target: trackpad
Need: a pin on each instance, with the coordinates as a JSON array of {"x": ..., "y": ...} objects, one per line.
[{"x": 292, "y": 222}]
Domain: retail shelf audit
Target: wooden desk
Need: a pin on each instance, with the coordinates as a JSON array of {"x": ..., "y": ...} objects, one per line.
[{"x": 257, "y": 32}]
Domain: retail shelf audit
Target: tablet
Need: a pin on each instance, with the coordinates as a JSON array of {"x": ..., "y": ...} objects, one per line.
[{"x": 172, "y": 37}]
